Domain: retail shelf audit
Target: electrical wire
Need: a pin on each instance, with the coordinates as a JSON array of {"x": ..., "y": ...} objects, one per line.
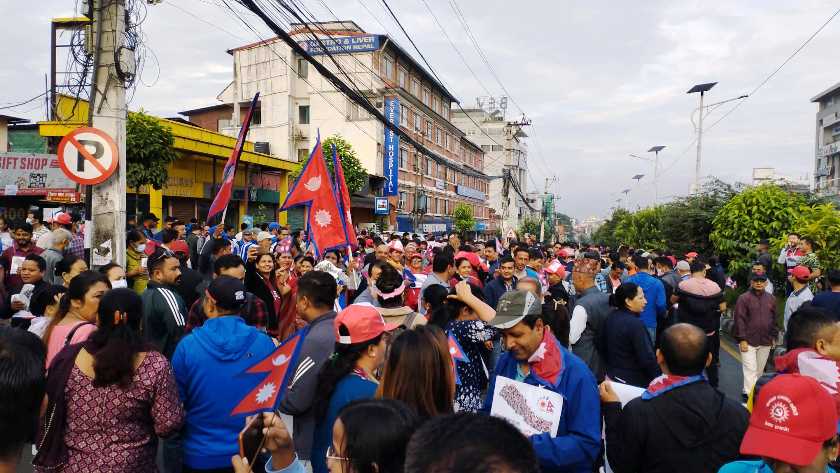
[
  {"x": 24, "y": 102},
  {"x": 754, "y": 90}
]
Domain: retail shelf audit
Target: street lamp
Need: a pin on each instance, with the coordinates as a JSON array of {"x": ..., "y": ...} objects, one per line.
[
  {"x": 638, "y": 178},
  {"x": 702, "y": 88},
  {"x": 656, "y": 149},
  {"x": 626, "y": 192}
]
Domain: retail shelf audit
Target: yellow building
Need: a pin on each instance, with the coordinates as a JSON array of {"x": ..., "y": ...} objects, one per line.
[{"x": 261, "y": 179}]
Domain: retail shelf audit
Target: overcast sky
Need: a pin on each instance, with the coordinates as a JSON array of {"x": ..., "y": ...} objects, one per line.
[{"x": 599, "y": 80}]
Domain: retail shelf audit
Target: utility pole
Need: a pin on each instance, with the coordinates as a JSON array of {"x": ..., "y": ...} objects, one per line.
[
  {"x": 545, "y": 212},
  {"x": 702, "y": 89},
  {"x": 108, "y": 113}
]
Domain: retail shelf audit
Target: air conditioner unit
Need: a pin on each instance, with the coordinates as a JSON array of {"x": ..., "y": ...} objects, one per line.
[{"x": 262, "y": 147}]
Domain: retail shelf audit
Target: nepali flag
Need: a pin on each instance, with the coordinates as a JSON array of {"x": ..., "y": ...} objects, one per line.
[
  {"x": 458, "y": 356},
  {"x": 267, "y": 393},
  {"x": 343, "y": 197},
  {"x": 314, "y": 189},
  {"x": 220, "y": 202}
]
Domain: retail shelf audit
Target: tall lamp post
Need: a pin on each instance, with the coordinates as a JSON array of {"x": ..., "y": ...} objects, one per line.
[
  {"x": 656, "y": 149},
  {"x": 702, "y": 89},
  {"x": 638, "y": 178},
  {"x": 626, "y": 193}
]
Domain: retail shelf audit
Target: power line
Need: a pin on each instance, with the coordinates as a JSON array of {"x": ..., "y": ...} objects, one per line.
[
  {"x": 756, "y": 89},
  {"x": 25, "y": 101}
]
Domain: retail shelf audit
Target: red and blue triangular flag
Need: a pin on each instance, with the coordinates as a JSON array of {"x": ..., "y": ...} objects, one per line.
[
  {"x": 278, "y": 366},
  {"x": 343, "y": 198},
  {"x": 458, "y": 355},
  {"x": 220, "y": 202}
]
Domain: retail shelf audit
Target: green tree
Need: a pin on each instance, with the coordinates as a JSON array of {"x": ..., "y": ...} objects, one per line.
[
  {"x": 354, "y": 173},
  {"x": 148, "y": 152},
  {"x": 765, "y": 211},
  {"x": 529, "y": 225},
  {"x": 687, "y": 222},
  {"x": 822, "y": 223},
  {"x": 463, "y": 218},
  {"x": 606, "y": 233}
]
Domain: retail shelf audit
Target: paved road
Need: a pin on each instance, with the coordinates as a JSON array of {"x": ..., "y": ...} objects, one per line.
[{"x": 731, "y": 377}]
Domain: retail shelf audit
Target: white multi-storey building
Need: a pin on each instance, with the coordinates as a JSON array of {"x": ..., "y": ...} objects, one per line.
[{"x": 296, "y": 102}]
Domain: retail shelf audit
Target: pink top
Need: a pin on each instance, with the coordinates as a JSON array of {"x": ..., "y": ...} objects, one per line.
[
  {"x": 58, "y": 338},
  {"x": 111, "y": 429}
]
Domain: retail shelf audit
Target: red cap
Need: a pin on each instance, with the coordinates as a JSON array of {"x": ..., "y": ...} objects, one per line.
[
  {"x": 179, "y": 246},
  {"x": 691, "y": 254},
  {"x": 363, "y": 322},
  {"x": 800, "y": 272},
  {"x": 60, "y": 218},
  {"x": 556, "y": 268},
  {"x": 472, "y": 258},
  {"x": 369, "y": 243},
  {"x": 792, "y": 418}
]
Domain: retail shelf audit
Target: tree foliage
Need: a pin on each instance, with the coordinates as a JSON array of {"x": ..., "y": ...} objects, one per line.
[
  {"x": 821, "y": 223},
  {"x": 463, "y": 218},
  {"x": 765, "y": 211},
  {"x": 354, "y": 173},
  {"x": 529, "y": 225},
  {"x": 606, "y": 232},
  {"x": 148, "y": 151}
]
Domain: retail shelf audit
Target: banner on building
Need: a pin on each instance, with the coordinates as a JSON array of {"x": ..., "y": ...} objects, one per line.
[
  {"x": 391, "y": 148},
  {"x": 32, "y": 174},
  {"x": 341, "y": 45}
]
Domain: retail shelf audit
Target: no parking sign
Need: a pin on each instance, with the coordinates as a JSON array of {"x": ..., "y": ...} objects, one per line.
[{"x": 88, "y": 156}]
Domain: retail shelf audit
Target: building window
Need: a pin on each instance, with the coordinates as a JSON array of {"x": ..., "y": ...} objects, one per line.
[
  {"x": 302, "y": 154},
  {"x": 402, "y": 78},
  {"x": 387, "y": 67},
  {"x": 415, "y": 88},
  {"x": 355, "y": 112},
  {"x": 428, "y": 166},
  {"x": 303, "y": 114},
  {"x": 435, "y": 103},
  {"x": 403, "y": 158},
  {"x": 428, "y": 130},
  {"x": 403, "y": 200},
  {"x": 426, "y": 95},
  {"x": 417, "y": 125},
  {"x": 222, "y": 123},
  {"x": 445, "y": 207},
  {"x": 446, "y": 141},
  {"x": 256, "y": 118},
  {"x": 437, "y": 137},
  {"x": 302, "y": 68},
  {"x": 403, "y": 115}
]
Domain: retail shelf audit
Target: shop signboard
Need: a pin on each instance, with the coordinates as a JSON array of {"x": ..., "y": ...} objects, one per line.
[{"x": 28, "y": 174}]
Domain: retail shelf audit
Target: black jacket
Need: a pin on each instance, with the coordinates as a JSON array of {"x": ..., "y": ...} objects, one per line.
[
  {"x": 690, "y": 429},
  {"x": 495, "y": 289},
  {"x": 702, "y": 311},
  {"x": 255, "y": 284},
  {"x": 628, "y": 350}
]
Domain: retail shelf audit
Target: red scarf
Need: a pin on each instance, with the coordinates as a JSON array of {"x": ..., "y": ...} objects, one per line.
[{"x": 547, "y": 360}]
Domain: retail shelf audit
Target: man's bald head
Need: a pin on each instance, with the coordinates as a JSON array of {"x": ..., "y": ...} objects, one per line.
[{"x": 683, "y": 350}]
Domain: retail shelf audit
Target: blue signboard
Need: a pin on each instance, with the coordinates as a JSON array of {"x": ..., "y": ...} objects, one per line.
[
  {"x": 391, "y": 148},
  {"x": 347, "y": 44},
  {"x": 380, "y": 206},
  {"x": 480, "y": 226},
  {"x": 470, "y": 192}
]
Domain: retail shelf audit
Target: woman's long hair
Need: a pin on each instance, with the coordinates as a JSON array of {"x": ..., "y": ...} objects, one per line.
[
  {"x": 117, "y": 340},
  {"x": 448, "y": 311},
  {"x": 376, "y": 434},
  {"x": 339, "y": 365},
  {"x": 419, "y": 372},
  {"x": 79, "y": 286}
]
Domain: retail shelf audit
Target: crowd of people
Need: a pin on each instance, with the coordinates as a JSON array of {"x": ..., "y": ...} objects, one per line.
[{"x": 407, "y": 340}]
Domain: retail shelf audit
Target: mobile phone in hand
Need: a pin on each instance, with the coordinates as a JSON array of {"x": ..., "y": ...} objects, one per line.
[{"x": 251, "y": 439}]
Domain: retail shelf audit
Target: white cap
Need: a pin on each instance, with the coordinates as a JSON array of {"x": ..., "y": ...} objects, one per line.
[{"x": 263, "y": 236}]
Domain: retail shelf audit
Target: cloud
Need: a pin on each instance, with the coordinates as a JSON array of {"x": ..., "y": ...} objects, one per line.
[{"x": 599, "y": 81}]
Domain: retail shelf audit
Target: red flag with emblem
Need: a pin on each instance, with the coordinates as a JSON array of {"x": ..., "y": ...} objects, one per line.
[
  {"x": 343, "y": 196},
  {"x": 314, "y": 189},
  {"x": 266, "y": 394},
  {"x": 458, "y": 356}
]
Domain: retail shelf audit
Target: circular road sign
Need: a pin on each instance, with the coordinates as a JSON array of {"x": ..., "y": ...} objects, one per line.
[{"x": 88, "y": 155}]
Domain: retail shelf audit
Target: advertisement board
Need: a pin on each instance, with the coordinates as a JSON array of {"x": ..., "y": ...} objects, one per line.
[{"x": 32, "y": 174}]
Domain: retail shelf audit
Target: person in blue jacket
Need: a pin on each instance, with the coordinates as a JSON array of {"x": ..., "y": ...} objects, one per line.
[
  {"x": 535, "y": 357},
  {"x": 654, "y": 290},
  {"x": 360, "y": 345},
  {"x": 209, "y": 364}
]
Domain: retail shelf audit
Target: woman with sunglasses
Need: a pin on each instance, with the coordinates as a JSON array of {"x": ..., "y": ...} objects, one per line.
[{"x": 369, "y": 436}]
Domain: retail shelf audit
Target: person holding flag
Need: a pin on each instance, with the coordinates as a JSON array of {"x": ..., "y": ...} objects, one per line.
[
  {"x": 464, "y": 317},
  {"x": 314, "y": 188},
  {"x": 209, "y": 364}
]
